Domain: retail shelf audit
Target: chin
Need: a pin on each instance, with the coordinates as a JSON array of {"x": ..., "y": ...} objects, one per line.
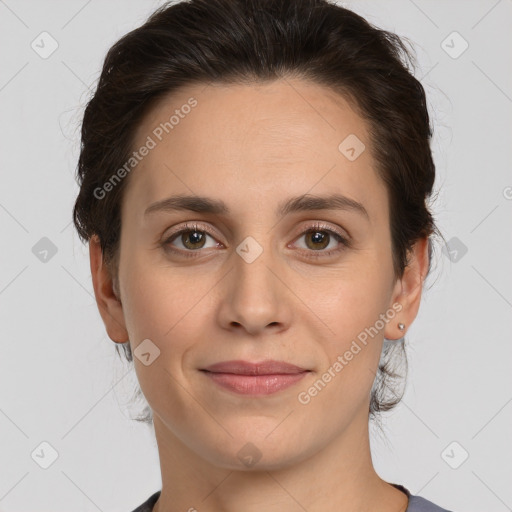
[{"x": 253, "y": 451}]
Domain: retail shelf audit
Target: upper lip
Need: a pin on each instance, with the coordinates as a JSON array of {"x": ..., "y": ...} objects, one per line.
[{"x": 268, "y": 367}]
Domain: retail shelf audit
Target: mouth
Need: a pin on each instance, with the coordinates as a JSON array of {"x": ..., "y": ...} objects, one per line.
[{"x": 247, "y": 378}]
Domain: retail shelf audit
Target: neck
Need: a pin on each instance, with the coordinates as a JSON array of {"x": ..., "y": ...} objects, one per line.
[{"x": 338, "y": 477}]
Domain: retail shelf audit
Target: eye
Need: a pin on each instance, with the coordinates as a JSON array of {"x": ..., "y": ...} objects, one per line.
[
  {"x": 191, "y": 237},
  {"x": 319, "y": 237}
]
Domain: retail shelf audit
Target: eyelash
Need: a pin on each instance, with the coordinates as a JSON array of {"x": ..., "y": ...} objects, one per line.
[{"x": 318, "y": 226}]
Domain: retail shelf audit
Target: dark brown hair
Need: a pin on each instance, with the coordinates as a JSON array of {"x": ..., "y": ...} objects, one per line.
[{"x": 243, "y": 41}]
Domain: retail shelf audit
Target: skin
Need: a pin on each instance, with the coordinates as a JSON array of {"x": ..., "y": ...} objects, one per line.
[{"x": 253, "y": 146}]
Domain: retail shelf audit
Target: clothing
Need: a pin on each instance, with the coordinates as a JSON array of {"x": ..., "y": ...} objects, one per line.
[
  {"x": 419, "y": 504},
  {"x": 416, "y": 503},
  {"x": 147, "y": 506}
]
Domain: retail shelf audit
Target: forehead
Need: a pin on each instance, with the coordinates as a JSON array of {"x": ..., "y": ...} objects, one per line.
[{"x": 252, "y": 143}]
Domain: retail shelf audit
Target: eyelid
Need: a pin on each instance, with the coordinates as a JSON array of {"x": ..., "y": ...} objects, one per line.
[
  {"x": 321, "y": 225},
  {"x": 344, "y": 239},
  {"x": 189, "y": 226}
]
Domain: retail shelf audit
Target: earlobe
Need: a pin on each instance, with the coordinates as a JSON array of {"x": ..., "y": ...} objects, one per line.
[
  {"x": 408, "y": 290},
  {"x": 109, "y": 306}
]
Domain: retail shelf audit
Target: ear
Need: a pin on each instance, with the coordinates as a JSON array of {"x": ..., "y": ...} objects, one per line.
[
  {"x": 408, "y": 290},
  {"x": 110, "y": 307}
]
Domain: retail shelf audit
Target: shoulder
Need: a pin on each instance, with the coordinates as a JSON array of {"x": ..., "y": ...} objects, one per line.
[
  {"x": 416, "y": 503},
  {"x": 419, "y": 504},
  {"x": 147, "y": 506}
]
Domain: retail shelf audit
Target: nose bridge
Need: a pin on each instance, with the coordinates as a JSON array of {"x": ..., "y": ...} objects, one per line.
[
  {"x": 252, "y": 261},
  {"x": 256, "y": 293}
]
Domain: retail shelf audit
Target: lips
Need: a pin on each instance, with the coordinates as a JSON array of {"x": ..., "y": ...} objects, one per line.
[
  {"x": 246, "y": 378},
  {"x": 268, "y": 367}
]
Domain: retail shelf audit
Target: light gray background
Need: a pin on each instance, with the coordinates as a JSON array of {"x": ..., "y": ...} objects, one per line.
[{"x": 60, "y": 378}]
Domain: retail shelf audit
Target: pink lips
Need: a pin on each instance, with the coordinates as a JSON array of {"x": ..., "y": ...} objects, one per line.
[{"x": 255, "y": 378}]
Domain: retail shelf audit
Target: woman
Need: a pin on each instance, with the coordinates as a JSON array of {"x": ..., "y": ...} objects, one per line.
[{"x": 254, "y": 177}]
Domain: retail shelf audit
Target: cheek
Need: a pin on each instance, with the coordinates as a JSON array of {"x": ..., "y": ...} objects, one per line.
[
  {"x": 167, "y": 305},
  {"x": 351, "y": 306},
  {"x": 349, "y": 297},
  {"x": 352, "y": 310}
]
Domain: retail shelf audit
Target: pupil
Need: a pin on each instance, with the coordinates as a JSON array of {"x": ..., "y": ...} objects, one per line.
[
  {"x": 195, "y": 238},
  {"x": 318, "y": 237}
]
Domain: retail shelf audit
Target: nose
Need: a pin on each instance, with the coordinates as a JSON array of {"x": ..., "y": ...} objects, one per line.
[{"x": 255, "y": 297}]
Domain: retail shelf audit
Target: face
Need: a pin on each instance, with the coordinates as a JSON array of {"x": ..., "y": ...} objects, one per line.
[{"x": 264, "y": 277}]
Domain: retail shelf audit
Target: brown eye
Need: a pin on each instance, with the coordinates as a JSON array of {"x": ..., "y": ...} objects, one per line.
[
  {"x": 188, "y": 240},
  {"x": 317, "y": 239},
  {"x": 193, "y": 239}
]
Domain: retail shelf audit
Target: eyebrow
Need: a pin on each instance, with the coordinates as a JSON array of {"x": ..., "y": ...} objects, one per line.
[{"x": 305, "y": 202}]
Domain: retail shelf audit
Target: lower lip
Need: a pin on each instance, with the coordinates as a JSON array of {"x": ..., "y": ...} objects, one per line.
[{"x": 255, "y": 384}]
